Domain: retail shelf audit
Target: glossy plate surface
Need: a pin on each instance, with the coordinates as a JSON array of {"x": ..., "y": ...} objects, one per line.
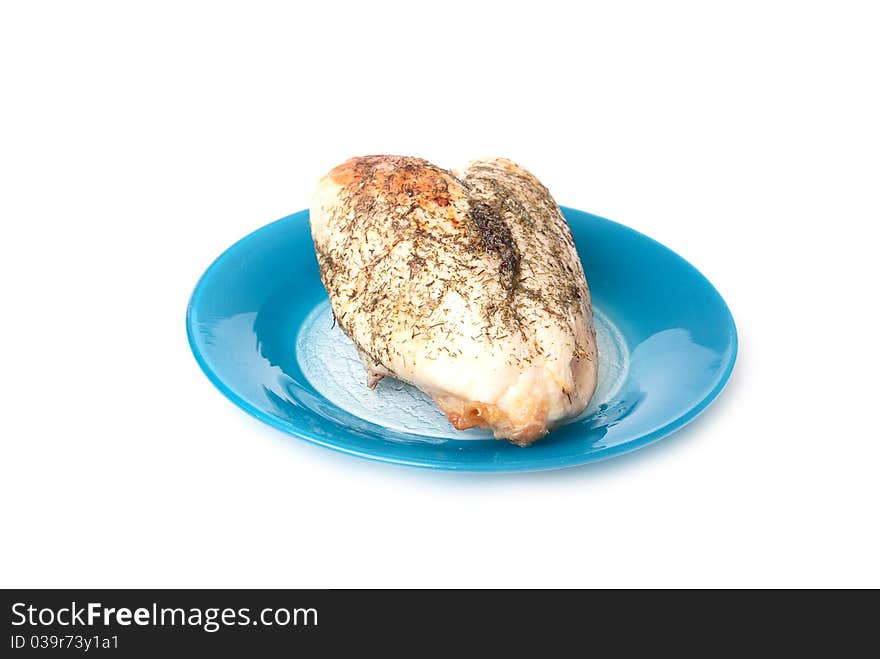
[{"x": 259, "y": 325}]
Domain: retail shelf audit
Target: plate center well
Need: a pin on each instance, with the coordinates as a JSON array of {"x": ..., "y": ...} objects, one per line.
[{"x": 330, "y": 363}]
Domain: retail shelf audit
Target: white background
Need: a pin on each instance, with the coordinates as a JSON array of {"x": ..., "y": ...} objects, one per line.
[{"x": 139, "y": 140}]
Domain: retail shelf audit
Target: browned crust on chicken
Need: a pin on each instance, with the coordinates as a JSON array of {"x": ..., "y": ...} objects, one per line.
[{"x": 521, "y": 430}]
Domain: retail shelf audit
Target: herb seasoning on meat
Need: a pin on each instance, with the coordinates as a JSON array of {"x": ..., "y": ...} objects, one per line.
[{"x": 467, "y": 285}]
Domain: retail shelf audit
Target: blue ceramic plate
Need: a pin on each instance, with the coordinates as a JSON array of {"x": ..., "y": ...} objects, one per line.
[{"x": 260, "y": 327}]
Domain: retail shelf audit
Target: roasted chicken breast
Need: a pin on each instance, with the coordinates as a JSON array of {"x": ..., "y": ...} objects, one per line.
[{"x": 467, "y": 285}]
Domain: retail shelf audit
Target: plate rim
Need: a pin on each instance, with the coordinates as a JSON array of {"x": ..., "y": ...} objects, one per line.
[{"x": 549, "y": 462}]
